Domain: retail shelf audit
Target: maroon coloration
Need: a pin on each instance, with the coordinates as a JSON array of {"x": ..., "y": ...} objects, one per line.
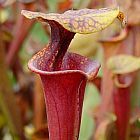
[
  {"x": 64, "y": 99},
  {"x": 121, "y": 97},
  {"x": 64, "y": 77}
]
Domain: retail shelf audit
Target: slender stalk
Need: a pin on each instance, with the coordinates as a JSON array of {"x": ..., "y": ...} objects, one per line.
[
  {"x": 107, "y": 83},
  {"x": 137, "y": 36},
  {"x": 7, "y": 101},
  {"x": 22, "y": 28},
  {"x": 121, "y": 98},
  {"x": 111, "y": 47}
]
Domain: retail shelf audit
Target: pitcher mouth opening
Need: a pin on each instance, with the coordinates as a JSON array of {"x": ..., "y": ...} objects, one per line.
[{"x": 89, "y": 68}]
